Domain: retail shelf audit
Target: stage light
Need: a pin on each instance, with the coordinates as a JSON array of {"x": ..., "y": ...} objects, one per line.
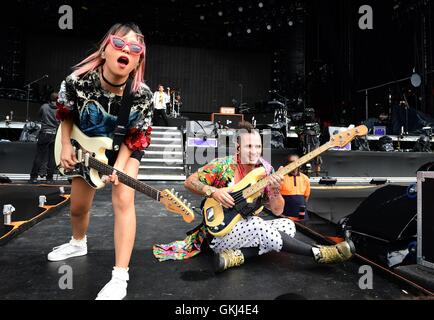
[
  {"x": 378, "y": 181},
  {"x": 249, "y": 30},
  {"x": 260, "y": 4},
  {"x": 42, "y": 200},
  {"x": 229, "y": 34},
  {"x": 328, "y": 181},
  {"x": 202, "y": 18},
  {"x": 227, "y": 110},
  {"x": 240, "y": 9},
  {"x": 290, "y": 23},
  {"x": 7, "y": 212},
  {"x": 220, "y": 13},
  {"x": 268, "y": 27}
]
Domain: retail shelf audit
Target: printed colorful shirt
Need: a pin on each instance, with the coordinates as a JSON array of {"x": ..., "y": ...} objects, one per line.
[
  {"x": 95, "y": 110},
  {"x": 219, "y": 173}
]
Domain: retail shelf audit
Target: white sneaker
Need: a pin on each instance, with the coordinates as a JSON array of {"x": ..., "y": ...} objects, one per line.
[
  {"x": 74, "y": 248},
  {"x": 116, "y": 288}
]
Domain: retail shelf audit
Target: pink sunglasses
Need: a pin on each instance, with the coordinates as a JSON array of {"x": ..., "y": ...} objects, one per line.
[{"x": 119, "y": 43}]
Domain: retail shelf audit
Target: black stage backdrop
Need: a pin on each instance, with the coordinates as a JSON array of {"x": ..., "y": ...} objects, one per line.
[{"x": 208, "y": 79}]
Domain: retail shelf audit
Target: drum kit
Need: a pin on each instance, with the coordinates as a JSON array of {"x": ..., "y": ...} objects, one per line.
[{"x": 280, "y": 112}]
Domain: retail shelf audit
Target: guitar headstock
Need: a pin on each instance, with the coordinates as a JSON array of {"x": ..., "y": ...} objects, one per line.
[
  {"x": 342, "y": 139},
  {"x": 169, "y": 198}
]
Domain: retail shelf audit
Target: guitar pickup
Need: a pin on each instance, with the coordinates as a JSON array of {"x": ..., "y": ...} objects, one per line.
[
  {"x": 86, "y": 159},
  {"x": 210, "y": 214}
]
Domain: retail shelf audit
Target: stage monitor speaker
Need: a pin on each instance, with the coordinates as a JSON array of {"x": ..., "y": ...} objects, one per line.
[
  {"x": 385, "y": 224},
  {"x": 5, "y": 179},
  {"x": 425, "y": 219},
  {"x": 386, "y": 214},
  {"x": 201, "y": 128},
  {"x": 227, "y": 120}
]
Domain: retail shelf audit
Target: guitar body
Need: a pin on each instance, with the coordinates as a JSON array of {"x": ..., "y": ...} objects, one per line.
[
  {"x": 219, "y": 220},
  {"x": 94, "y": 145},
  {"x": 93, "y": 164}
]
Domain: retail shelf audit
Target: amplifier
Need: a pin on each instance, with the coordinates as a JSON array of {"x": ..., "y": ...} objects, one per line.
[
  {"x": 227, "y": 120},
  {"x": 425, "y": 219}
]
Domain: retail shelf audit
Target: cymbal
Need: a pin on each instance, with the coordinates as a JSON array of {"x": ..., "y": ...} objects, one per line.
[{"x": 276, "y": 104}]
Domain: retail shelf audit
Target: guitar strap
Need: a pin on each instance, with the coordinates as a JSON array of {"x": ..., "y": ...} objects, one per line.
[{"x": 123, "y": 116}]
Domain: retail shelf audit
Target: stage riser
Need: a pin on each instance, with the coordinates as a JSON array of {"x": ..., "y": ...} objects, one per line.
[{"x": 365, "y": 163}]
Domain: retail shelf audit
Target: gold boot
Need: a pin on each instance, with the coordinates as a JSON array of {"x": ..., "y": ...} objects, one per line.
[
  {"x": 336, "y": 253},
  {"x": 228, "y": 259}
]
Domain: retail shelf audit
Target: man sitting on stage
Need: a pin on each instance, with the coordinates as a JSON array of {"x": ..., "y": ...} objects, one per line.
[{"x": 254, "y": 236}]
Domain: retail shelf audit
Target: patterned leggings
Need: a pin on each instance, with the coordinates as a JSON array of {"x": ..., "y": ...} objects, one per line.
[{"x": 255, "y": 232}]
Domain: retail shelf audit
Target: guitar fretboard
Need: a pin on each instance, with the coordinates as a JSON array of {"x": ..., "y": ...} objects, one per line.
[
  {"x": 125, "y": 179},
  {"x": 262, "y": 184}
]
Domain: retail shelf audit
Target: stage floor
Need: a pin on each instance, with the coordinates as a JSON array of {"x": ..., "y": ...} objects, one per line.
[{"x": 25, "y": 272}]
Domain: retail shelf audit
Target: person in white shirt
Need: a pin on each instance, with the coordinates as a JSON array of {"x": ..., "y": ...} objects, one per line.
[{"x": 161, "y": 99}]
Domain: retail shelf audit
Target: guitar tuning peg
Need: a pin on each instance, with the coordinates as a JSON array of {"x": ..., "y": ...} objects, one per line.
[
  {"x": 172, "y": 191},
  {"x": 188, "y": 204},
  {"x": 180, "y": 197},
  {"x": 176, "y": 194},
  {"x": 185, "y": 201}
]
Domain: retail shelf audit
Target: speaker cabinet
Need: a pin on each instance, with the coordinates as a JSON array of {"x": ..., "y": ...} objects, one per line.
[
  {"x": 425, "y": 219},
  {"x": 227, "y": 120}
]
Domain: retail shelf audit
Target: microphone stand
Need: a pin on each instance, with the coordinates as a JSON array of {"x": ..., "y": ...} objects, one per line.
[
  {"x": 407, "y": 106},
  {"x": 366, "y": 91},
  {"x": 28, "y": 94}
]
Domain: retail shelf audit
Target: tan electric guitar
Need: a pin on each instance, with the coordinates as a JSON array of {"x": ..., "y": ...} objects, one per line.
[
  {"x": 92, "y": 165},
  {"x": 220, "y": 221}
]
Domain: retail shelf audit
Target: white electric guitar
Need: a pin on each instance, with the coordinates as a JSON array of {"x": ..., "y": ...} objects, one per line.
[{"x": 92, "y": 165}]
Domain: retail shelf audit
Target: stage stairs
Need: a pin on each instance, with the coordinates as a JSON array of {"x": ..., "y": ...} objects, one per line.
[{"x": 164, "y": 159}]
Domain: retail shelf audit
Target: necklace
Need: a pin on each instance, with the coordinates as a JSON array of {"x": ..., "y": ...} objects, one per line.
[{"x": 112, "y": 84}]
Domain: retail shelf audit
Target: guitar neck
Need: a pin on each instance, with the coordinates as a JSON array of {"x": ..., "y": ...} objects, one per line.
[
  {"x": 125, "y": 179},
  {"x": 262, "y": 184}
]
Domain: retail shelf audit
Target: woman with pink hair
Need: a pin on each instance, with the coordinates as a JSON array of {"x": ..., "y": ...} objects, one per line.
[{"x": 91, "y": 98}]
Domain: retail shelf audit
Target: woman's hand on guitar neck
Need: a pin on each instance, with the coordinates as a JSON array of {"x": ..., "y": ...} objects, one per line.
[
  {"x": 224, "y": 198},
  {"x": 113, "y": 178},
  {"x": 68, "y": 159}
]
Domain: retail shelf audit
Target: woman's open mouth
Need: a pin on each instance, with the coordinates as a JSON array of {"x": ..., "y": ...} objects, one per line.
[{"x": 123, "y": 61}]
